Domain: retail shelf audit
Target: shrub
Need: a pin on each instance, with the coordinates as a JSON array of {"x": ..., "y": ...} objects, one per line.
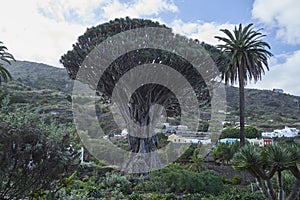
[
  {"x": 34, "y": 156},
  {"x": 237, "y": 194},
  {"x": 117, "y": 182},
  {"x": 176, "y": 179},
  {"x": 236, "y": 180}
]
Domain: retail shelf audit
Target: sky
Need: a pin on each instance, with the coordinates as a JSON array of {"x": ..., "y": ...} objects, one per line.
[{"x": 43, "y": 30}]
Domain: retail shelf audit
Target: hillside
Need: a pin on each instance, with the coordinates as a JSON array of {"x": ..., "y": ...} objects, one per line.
[
  {"x": 265, "y": 109},
  {"x": 40, "y": 76},
  {"x": 50, "y": 85},
  {"x": 53, "y": 104}
]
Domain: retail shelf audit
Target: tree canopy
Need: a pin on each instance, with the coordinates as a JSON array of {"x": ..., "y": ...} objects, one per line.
[{"x": 233, "y": 132}]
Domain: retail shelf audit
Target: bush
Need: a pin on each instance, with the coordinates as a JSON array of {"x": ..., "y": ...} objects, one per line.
[
  {"x": 176, "y": 179},
  {"x": 233, "y": 132},
  {"x": 117, "y": 182},
  {"x": 213, "y": 184},
  {"x": 237, "y": 194},
  {"x": 35, "y": 156},
  {"x": 236, "y": 180}
]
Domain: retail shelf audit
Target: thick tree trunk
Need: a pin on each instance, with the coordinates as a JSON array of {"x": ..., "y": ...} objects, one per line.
[
  {"x": 143, "y": 141},
  {"x": 295, "y": 191},
  {"x": 242, "y": 105}
]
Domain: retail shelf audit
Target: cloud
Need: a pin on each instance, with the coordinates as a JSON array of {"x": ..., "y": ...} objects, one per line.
[
  {"x": 42, "y": 31},
  {"x": 75, "y": 11},
  {"x": 31, "y": 36},
  {"x": 203, "y": 31},
  {"x": 138, "y": 8},
  {"x": 282, "y": 75},
  {"x": 282, "y": 15}
]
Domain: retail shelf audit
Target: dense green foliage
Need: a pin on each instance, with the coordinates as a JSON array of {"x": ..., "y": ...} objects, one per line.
[
  {"x": 237, "y": 194},
  {"x": 233, "y": 132},
  {"x": 288, "y": 182},
  {"x": 34, "y": 155},
  {"x": 176, "y": 179},
  {"x": 265, "y": 163},
  {"x": 225, "y": 151}
]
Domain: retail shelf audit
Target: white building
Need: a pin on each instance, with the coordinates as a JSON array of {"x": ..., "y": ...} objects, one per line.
[
  {"x": 260, "y": 142},
  {"x": 170, "y": 128},
  {"x": 179, "y": 139},
  {"x": 278, "y": 90},
  {"x": 182, "y": 128},
  {"x": 286, "y": 132}
]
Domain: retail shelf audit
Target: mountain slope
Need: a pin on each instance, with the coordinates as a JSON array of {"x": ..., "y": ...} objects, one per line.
[
  {"x": 265, "y": 109},
  {"x": 40, "y": 76}
]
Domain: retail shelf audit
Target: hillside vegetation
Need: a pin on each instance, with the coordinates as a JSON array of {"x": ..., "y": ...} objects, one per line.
[
  {"x": 49, "y": 87},
  {"x": 40, "y": 76}
]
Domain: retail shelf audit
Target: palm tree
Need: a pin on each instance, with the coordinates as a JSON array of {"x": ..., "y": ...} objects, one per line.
[
  {"x": 246, "y": 56},
  {"x": 6, "y": 57},
  {"x": 196, "y": 161}
]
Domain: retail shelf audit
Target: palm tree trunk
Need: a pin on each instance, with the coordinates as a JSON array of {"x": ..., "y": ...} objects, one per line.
[
  {"x": 295, "y": 191},
  {"x": 280, "y": 186},
  {"x": 242, "y": 105}
]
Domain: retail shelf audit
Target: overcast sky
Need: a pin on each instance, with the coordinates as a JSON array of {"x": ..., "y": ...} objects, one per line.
[{"x": 43, "y": 30}]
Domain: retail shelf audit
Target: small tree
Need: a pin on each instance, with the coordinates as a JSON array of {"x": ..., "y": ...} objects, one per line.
[
  {"x": 225, "y": 151},
  {"x": 196, "y": 161},
  {"x": 264, "y": 163},
  {"x": 233, "y": 132}
]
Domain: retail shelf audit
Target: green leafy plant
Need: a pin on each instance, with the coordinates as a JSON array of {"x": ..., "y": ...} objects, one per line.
[{"x": 35, "y": 156}]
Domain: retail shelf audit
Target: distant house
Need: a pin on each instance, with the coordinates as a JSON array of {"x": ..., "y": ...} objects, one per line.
[
  {"x": 205, "y": 141},
  {"x": 286, "y": 132},
  {"x": 124, "y": 132},
  {"x": 191, "y": 140},
  {"x": 261, "y": 142},
  {"x": 173, "y": 129},
  {"x": 176, "y": 139},
  {"x": 229, "y": 140},
  {"x": 179, "y": 139},
  {"x": 170, "y": 128},
  {"x": 182, "y": 128},
  {"x": 278, "y": 90}
]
